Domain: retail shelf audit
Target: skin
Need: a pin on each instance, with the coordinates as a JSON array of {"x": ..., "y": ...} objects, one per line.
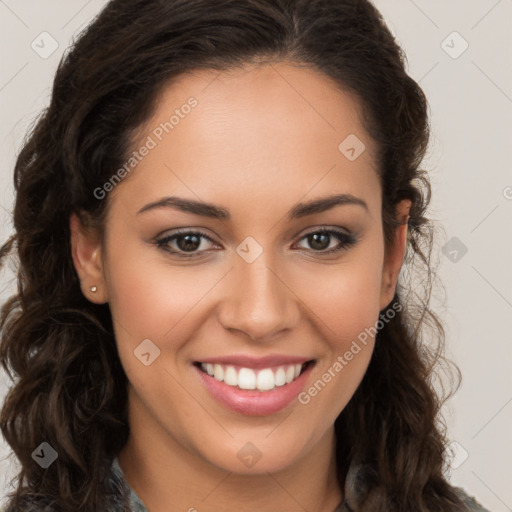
[{"x": 259, "y": 141}]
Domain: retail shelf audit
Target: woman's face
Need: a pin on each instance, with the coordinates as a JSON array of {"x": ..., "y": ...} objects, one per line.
[{"x": 252, "y": 290}]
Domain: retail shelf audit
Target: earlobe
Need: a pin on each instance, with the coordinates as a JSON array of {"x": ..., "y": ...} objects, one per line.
[
  {"x": 86, "y": 251},
  {"x": 394, "y": 254}
]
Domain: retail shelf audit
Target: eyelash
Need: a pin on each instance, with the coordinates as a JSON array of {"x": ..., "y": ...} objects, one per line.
[{"x": 346, "y": 241}]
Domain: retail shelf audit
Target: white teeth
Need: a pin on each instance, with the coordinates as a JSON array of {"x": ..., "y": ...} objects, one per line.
[
  {"x": 218, "y": 372},
  {"x": 247, "y": 378},
  {"x": 280, "y": 377},
  {"x": 231, "y": 377},
  {"x": 265, "y": 380}
]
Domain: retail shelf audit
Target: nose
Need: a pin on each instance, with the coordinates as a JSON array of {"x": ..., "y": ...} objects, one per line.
[{"x": 258, "y": 300}]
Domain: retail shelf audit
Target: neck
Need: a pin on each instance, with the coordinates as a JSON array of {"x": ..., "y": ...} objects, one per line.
[{"x": 162, "y": 471}]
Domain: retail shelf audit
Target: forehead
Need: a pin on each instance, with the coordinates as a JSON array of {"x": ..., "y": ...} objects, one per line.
[{"x": 265, "y": 131}]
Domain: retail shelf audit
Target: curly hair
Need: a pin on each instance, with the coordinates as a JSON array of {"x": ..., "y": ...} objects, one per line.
[{"x": 70, "y": 388}]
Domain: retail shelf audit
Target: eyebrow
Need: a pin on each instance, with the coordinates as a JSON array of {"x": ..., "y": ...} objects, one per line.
[{"x": 217, "y": 212}]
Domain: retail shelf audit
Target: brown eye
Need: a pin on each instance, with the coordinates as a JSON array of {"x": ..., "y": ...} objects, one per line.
[
  {"x": 320, "y": 240},
  {"x": 184, "y": 243},
  {"x": 188, "y": 243}
]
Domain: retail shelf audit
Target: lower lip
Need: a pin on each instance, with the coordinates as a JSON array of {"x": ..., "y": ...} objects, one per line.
[{"x": 254, "y": 402}]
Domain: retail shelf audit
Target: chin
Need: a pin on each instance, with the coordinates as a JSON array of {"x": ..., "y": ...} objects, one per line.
[{"x": 255, "y": 457}]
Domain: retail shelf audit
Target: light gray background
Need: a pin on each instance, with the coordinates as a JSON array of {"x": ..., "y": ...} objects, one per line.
[{"x": 470, "y": 161}]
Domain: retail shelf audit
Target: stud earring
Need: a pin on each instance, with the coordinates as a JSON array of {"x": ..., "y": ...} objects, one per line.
[{"x": 94, "y": 288}]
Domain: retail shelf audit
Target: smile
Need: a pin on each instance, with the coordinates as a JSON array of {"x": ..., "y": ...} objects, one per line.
[
  {"x": 264, "y": 379},
  {"x": 268, "y": 387}
]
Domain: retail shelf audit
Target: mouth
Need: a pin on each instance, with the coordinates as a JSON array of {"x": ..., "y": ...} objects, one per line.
[
  {"x": 262, "y": 379},
  {"x": 259, "y": 388}
]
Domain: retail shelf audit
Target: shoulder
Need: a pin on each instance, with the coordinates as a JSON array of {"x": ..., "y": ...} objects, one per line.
[
  {"x": 30, "y": 504},
  {"x": 119, "y": 497},
  {"x": 356, "y": 485},
  {"x": 469, "y": 501},
  {"x": 136, "y": 504}
]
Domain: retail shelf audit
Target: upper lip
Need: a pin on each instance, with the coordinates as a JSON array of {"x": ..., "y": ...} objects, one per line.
[{"x": 256, "y": 363}]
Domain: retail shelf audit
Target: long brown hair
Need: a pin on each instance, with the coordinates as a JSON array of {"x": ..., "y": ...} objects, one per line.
[{"x": 69, "y": 386}]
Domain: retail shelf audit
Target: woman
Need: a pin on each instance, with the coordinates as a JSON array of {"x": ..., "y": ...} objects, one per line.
[{"x": 211, "y": 218}]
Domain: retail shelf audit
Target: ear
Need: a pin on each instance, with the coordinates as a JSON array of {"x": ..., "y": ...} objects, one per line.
[
  {"x": 394, "y": 255},
  {"x": 87, "y": 259}
]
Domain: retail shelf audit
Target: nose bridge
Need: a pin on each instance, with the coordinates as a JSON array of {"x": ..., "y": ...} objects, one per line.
[{"x": 258, "y": 303}]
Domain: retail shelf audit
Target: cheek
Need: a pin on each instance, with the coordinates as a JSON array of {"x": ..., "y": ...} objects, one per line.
[
  {"x": 345, "y": 297},
  {"x": 150, "y": 300},
  {"x": 346, "y": 306}
]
